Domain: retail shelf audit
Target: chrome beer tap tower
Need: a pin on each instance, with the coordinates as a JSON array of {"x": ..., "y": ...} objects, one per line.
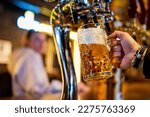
[{"x": 66, "y": 15}]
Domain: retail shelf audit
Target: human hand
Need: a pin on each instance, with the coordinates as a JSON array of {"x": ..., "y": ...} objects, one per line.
[{"x": 123, "y": 49}]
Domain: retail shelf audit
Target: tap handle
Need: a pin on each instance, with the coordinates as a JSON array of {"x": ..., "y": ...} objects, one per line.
[
  {"x": 107, "y": 1},
  {"x": 142, "y": 16},
  {"x": 148, "y": 17},
  {"x": 132, "y": 9}
]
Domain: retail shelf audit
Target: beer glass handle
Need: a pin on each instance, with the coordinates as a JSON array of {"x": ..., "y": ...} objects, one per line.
[{"x": 117, "y": 59}]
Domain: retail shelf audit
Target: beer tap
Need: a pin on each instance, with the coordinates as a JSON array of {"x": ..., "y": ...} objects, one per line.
[
  {"x": 109, "y": 17},
  {"x": 64, "y": 16},
  {"x": 148, "y": 17}
]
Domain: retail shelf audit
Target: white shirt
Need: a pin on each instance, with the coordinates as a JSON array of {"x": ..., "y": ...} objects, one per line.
[{"x": 28, "y": 73}]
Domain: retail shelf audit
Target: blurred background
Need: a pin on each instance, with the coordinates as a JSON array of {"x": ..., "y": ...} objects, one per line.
[{"x": 18, "y": 16}]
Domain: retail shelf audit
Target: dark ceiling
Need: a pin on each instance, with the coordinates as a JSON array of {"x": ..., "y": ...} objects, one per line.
[
  {"x": 40, "y": 3},
  {"x": 36, "y": 4}
]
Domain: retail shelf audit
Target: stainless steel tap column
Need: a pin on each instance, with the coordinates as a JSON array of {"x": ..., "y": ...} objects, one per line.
[{"x": 69, "y": 91}]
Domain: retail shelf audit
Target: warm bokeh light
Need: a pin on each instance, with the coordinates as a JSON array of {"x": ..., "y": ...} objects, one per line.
[{"x": 28, "y": 18}]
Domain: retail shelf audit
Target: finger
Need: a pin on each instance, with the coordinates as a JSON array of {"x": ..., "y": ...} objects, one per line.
[
  {"x": 117, "y": 54},
  {"x": 116, "y": 48},
  {"x": 115, "y": 34},
  {"x": 116, "y": 61},
  {"x": 115, "y": 42}
]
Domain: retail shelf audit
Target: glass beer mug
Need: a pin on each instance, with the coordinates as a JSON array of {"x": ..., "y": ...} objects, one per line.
[{"x": 94, "y": 51}]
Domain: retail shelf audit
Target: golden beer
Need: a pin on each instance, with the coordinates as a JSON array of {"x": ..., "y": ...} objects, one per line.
[
  {"x": 94, "y": 52},
  {"x": 95, "y": 62}
]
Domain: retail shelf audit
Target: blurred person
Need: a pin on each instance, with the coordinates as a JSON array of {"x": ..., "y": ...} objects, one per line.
[
  {"x": 29, "y": 77},
  {"x": 126, "y": 52}
]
